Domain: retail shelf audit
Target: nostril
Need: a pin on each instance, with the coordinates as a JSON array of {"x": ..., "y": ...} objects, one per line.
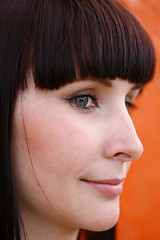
[{"x": 122, "y": 156}]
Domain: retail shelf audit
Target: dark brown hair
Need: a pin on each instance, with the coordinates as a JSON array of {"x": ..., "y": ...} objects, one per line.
[{"x": 62, "y": 41}]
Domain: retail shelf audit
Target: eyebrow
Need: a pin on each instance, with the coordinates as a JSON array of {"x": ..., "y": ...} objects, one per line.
[
  {"x": 108, "y": 83},
  {"x": 139, "y": 86},
  {"x": 105, "y": 82}
]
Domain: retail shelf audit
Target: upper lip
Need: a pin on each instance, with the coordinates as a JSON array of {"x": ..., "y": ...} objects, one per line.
[{"x": 115, "y": 181}]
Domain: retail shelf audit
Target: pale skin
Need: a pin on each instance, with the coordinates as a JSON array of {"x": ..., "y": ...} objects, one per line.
[{"x": 63, "y": 141}]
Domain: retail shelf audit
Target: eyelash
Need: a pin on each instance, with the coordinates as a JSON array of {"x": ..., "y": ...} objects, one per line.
[
  {"x": 89, "y": 97},
  {"x": 129, "y": 105}
]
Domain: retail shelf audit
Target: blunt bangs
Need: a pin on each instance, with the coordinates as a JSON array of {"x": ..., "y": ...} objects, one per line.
[{"x": 77, "y": 39}]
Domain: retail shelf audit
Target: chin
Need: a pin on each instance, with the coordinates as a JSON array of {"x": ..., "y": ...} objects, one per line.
[
  {"x": 104, "y": 226},
  {"x": 103, "y": 221}
]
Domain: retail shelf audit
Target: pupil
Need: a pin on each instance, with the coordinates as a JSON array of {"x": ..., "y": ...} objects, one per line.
[{"x": 82, "y": 101}]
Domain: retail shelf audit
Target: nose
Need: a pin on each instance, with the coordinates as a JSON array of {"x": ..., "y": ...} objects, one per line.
[{"x": 122, "y": 142}]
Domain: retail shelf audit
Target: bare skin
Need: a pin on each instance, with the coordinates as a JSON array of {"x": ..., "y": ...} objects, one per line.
[{"x": 70, "y": 147}]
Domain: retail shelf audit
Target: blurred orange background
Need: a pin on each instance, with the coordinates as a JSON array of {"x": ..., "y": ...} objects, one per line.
[{"x": 140, "y": 201}]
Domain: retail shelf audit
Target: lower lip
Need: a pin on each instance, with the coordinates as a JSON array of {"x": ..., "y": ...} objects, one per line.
[{"x": 107, "y": 189}]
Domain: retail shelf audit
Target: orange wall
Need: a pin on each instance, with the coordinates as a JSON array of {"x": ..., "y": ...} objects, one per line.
[{"x": 140, "y": 201}]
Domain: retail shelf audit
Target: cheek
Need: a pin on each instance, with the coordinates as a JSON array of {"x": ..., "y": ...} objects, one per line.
[
  {"x": 53, "y": 153},
  {"x": 59, "y": 144}
]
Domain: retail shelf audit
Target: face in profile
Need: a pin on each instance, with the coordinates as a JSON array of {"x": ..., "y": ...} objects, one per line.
[{"x": 72, "y": 149}]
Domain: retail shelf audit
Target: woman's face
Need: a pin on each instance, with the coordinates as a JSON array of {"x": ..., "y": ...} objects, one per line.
[{"x": 71, "y": 149}]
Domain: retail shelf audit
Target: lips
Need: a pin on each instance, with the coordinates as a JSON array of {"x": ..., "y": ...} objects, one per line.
[{"x": 111, "y": 187}]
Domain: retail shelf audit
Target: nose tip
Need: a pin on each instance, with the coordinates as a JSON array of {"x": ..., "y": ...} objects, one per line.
[
  {"x": 129, "y": 151},
  {"x": 131, "y": 143},
  {"x": 137, "y": 150},
  {"x": 124, "y": 144}
]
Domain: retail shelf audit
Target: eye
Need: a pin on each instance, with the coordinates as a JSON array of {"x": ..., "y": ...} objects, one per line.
[
  {"x": 83, "y": 101},
  {"x": 129, "y": 104}
]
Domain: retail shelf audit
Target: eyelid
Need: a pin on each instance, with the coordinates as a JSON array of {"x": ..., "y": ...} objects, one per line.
[
  {"x": 84, "y": 92},
  {"x": 134, "y": 94},
  {"x": 88, "y": 91}
]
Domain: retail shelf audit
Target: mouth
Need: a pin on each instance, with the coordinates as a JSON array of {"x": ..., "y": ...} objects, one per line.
[{"x": 111, "y": 187}]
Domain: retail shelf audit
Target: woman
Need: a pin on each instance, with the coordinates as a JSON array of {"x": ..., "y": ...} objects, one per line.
[{"x": 69, "y": 72}]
